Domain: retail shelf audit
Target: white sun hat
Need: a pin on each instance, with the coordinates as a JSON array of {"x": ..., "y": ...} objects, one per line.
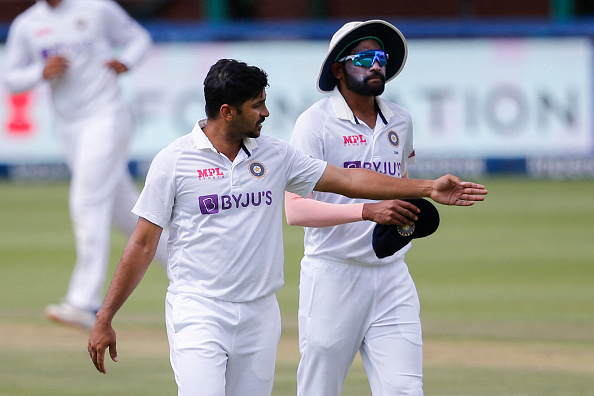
[{"x": 390, "y": 38}]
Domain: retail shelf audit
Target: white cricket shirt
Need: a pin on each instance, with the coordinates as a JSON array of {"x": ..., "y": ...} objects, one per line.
[
  {"x": 329, "y": 130},
  {"x": 87, "y": 33},
  {"x": 225, "y": 218}
]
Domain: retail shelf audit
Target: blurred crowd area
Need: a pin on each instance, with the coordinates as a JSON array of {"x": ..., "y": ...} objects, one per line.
[{"x": 213, "y": 10}]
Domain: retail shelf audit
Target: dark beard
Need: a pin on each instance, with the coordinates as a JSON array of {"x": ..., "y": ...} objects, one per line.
[{"x": 363, "y": 88}]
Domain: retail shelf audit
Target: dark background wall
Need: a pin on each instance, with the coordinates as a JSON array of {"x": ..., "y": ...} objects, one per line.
[{"x": 189, "y": 10}]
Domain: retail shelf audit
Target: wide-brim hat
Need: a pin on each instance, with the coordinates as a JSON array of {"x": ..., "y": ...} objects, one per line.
[
  {"x": 388, "y": 239},
  {"x": 392, "y": 40}
]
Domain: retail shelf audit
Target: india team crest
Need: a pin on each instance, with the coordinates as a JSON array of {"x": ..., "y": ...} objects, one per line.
[
  {"x": 257, "y": 169},
  {"x": 406, "y": 230},
  {"x": 81, "y": 24},
  {"x": 393, "y": 138}
]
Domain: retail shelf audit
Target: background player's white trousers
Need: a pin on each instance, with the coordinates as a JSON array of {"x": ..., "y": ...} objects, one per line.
[
  {"x": 221, "y": 348},
  {"x": 101, "y": 192},
  {"x": 345, "y": 308}
]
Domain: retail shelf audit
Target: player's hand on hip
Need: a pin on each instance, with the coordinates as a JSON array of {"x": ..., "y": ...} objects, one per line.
[
  {"x": 55, "y": 66},
  {"x": 102, "y": 336},
  {"x": 391, "y": 212},
  {"x": 117, "y": 66},
  {"x": 450, "y": 190}
]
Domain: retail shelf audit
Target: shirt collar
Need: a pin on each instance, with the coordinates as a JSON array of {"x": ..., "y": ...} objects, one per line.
[
  {"x": 344, "y": 112},
  {"x": 203, "y": 142},
  {"x": 63, "y": 5}
]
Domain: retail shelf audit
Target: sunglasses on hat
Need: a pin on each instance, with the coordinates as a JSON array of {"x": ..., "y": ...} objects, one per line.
[{"x": 367, "y": 58}]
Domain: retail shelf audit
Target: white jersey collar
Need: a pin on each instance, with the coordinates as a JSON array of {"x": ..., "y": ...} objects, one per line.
[
  {"x": 64, "y": 4},
  {"x": 344, "y": 112},
  {"x": 203, "y": 142}
]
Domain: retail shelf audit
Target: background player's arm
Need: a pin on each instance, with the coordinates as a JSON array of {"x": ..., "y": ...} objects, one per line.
[
  {"x": 124, "y": 31},
  {"x": 136, "y": 258},
  {"x": 22, "y": 71},
  {"x": 364, "y": 183}
]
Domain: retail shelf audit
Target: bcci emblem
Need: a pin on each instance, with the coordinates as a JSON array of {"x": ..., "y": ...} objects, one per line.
[
  {"x": 257, "y": 169},
  {"x": 393, "y": 138},
  {"x": 406, "y": 230},
  {"x": 81, "y": 24}
]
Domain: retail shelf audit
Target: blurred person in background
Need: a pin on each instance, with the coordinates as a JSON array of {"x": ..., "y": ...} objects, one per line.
[
  {"x": 351, "y": 300},
  {"x": 71, "y": 45}
]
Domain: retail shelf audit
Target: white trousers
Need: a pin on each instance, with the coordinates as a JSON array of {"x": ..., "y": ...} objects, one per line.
[
  {"x": 221, "y": 348},
  {"x": 345, "y": 308},
  {"x": 102, "y": 192}
]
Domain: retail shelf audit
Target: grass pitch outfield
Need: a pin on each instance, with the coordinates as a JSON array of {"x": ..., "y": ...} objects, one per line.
[{"x": 506, "y": 289}]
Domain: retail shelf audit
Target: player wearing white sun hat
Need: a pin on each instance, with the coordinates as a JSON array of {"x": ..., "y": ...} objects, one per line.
[{"x": 351, "y": 300}]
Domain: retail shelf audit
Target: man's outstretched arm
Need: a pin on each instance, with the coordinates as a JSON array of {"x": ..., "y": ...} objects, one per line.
[{"x": 364, "y": 183}]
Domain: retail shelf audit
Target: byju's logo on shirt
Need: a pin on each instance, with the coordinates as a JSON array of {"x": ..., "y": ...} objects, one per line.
[
  {"x": 387, "y": 168},
  {"x": 69, "y": 50},
  {"x": 209, "y": 204},
  {"x": 210, "y": 173},
  {"x": 354, "y": 140},
  {"x": 212, "y": 204},
  {"x": 352, "y": 164}
]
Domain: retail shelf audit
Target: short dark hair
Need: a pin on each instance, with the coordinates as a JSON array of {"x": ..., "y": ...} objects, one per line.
[{"x": 232, "y": 82}]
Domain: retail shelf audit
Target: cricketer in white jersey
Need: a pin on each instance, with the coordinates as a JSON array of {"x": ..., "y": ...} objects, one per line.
[
  {"x": 225, "y": 217},
  {"x": 221, "y": 193},
  {"x": 226, "y": 247},
  {"x": 330, "y": 131},
  {"x": 350, "y": 300},
  {"x": 72, "y": 45}
]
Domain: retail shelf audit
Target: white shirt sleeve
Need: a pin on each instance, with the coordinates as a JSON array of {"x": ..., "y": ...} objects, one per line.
[
  {"x": 158, "y": 195},
  {"x": 22, "y": 70},
  {"x": 408, "y": 157},
  {"x": 303, "y": 171},
  {"x": 124, "y": 31}
]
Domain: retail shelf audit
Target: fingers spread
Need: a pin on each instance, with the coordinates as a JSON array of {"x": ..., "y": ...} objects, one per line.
[{"x": 472, "y": 185}]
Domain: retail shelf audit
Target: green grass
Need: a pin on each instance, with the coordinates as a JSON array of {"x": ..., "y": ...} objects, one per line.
[{"x": 505, "y": 287}]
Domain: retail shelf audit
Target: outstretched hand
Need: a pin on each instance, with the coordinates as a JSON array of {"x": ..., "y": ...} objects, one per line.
[
  {"x": 102, "y": 336},
  {"x": 450, "y": 190}
]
